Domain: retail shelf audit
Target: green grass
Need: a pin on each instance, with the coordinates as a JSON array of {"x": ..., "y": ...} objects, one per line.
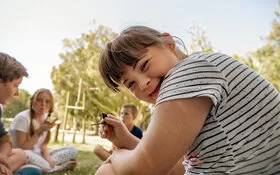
[{"x": 87, "y": 161}]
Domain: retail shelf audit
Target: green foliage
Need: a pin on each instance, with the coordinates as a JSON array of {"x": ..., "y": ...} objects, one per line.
[
  {"x": 17, "y": 104},
  {"x": 199, "y": 40},
  {"x": 269, "y": 61},
  {"x": 266, "y": 60}
]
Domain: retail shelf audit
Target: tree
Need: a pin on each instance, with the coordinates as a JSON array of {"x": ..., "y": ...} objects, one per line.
[
  {"x": 266, "y": 60},
  {"x": 17, "y": 104},
  {"x": 199, "y": 40}
]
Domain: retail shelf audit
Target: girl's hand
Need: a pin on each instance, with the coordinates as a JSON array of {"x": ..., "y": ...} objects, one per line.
[
  {"x": 4, "y": 170},
  {"x": 116, "y": 131},
  {"x": 4, "y": 161},
  {"x": 46, "y": 155},
  {"x": 46, "y": 126},
  {"x": 51, "y": 120},
  {"x": 51, "y": 162}
]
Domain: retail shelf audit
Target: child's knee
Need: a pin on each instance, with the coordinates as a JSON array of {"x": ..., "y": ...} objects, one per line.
[
  {"x": 105, "y": 169},
  {"x": 74, "y": 151},
  {"x": 98, "y": 149},
  {"x": 20, "y": 154}
]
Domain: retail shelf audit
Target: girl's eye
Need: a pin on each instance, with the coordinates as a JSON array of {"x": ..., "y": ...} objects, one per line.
[
  {"x": 144, "y": 65},
  {"x": 130, "y": 84}
]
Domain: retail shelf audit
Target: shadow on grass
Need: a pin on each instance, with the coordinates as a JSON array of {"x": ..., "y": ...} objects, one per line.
[{"x": 87, "y": 161}]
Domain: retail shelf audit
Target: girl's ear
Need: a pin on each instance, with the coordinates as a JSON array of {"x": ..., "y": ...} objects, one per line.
[
  {"x": 134, "y": 117},
  {"x": 168, "y": 40},
  {"x": 165, "y": 34}
]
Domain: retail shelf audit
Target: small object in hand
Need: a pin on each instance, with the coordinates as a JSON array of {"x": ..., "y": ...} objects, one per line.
[
  {"x": 51, "y": 119},
  {"x": 104, "y": 115},
  {"x": 103, "y": 122}
]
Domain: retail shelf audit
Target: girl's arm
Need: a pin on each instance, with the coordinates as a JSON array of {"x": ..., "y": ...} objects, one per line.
[
  {"x": 178, "y": 168},
  {"x": 24, "y": 142},
  {"x": 105, "y": 168},
  {"x": 46, "y": 154},
  {"x": 173, "y": 128}
]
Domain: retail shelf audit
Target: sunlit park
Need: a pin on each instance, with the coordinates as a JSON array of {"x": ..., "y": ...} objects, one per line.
[{"x": 59, "y": 42}]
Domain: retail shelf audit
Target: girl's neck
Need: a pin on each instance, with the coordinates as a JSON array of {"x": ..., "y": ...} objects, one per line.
[
  {"x": 39, "y": 118},
  {"x": 180, "y": 55}
]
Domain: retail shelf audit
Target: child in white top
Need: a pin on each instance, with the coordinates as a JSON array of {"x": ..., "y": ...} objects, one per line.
[{"x": 30, "y": 131}]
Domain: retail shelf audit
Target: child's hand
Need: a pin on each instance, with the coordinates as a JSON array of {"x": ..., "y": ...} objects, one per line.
[
  {"x": 46, "y": 126},
  {"x": 51, "y": 120},
  {"x": 4, "y": 160},
  {"x": 52, "y": 163},
  {"x": 4, "y": 166},
  {"x": 116, "y": 131},
  {"x": 4, "y": 170}
]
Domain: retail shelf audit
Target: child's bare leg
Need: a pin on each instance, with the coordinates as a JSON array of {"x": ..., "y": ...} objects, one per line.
[
  {"x": 105, "y": 169},
  {"x": 102, "y": 153},
  {"x": 16, "y": 159}
]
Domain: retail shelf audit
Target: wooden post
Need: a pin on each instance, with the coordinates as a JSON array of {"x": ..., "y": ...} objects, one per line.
[
  {"x": 74, "y": 130},
  {"x": 56, "y": 130},
  {"x": 76, "y": 112},
  {"x": 84, "y": 132},
  {"x": 65, "y": 116},
  {"x": 76, "y": 109}
]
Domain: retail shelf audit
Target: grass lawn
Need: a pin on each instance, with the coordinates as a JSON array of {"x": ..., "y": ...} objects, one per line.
[{"x": 88, "y": 162}]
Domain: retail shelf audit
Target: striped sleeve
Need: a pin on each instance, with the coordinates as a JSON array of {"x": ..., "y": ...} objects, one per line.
[{"x": 194, "y": 78}]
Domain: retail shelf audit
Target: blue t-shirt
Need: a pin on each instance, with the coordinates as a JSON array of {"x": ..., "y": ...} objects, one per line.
[
  {"x": 136, "y": 131},
  {"x": 3, "y": 132}
]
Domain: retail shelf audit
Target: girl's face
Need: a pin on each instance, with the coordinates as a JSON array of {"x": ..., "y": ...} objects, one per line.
[
  {"x": 8, "y": 90},
  {"x": 42, "y": 103},
  {"x": 145, "y": 78}
]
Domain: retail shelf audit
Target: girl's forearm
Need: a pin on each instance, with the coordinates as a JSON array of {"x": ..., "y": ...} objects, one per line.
[
  {"x": 106, "y": 168},
  {"x": 28, "y": 144},
  {"x": 132, "y": 142},
  {"x": 46, "y": 154},
  {"x": 122, "y": 162}
]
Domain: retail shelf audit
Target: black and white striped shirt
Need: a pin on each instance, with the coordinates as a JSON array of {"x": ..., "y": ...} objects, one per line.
[{"x": 241, "y": 134}]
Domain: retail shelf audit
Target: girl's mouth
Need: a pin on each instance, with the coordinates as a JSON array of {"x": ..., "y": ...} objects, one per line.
[{"x": 156, "y": 91}]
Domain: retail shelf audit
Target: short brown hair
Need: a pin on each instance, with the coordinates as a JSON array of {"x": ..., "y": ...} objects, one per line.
[
  {"x": 10, "y": 68},
  {"x": 132, "y": 107},
  {"x": 125, "y": 50}
]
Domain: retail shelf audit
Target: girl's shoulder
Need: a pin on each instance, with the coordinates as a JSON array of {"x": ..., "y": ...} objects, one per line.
[
  {"x": 206, "y": 56},
  {"x": 24, "y": 115},
  {"x": 195, "y": 60}
]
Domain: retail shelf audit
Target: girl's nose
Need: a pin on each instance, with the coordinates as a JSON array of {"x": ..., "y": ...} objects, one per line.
[
  {"x": 44, "y": 102},
  {"x": 144, "y": 82}
]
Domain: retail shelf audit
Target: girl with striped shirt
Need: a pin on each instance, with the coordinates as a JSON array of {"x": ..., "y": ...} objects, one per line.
[{"x": 218, "y": 114}]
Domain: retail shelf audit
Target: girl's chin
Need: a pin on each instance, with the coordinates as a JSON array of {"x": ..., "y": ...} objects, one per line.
[
  {"x": 155, "y": 96},
  {"x": 149, "y": 99},
  {"x": 152, "y": 100}
]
